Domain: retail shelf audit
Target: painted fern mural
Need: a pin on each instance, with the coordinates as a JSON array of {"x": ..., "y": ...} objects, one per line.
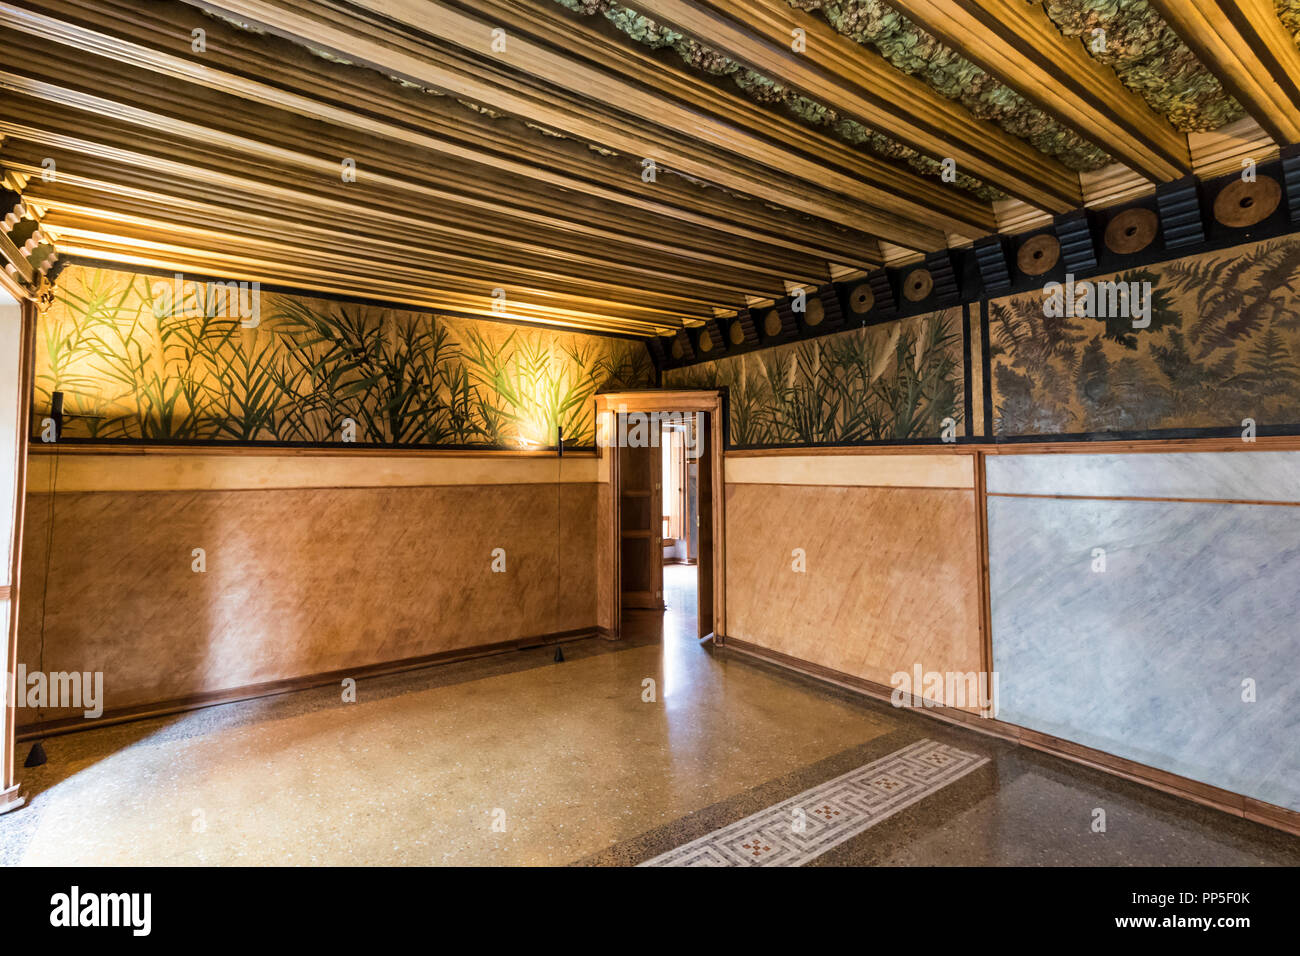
[
  {"x": 1223, "y": 345},
  {"x": 894, "y": 382},
  {"x": 135, "y": 363}
]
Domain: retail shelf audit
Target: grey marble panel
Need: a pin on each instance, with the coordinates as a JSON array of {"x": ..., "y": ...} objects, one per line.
[
  {"x": 1147, "y": 659},
  {"x": 1232, "y": 475}
]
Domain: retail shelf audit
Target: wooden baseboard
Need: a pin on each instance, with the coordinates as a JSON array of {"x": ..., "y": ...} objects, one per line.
[
  {"x": 1206, "y": 794},
  {"x": 12, "y": 798},
  {"x": 70, "y": 725}
]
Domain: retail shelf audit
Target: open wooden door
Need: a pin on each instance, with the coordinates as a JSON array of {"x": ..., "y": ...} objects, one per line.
[
  {"x": 704, "y": 512},
  {"x": 641, "y": 525}
]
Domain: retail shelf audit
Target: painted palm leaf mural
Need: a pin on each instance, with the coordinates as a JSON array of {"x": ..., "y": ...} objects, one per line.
[
  {"x": 1223, "y": 345},
  {"x": 137, "y": 361},
  {"x": 894, "y": 382}
]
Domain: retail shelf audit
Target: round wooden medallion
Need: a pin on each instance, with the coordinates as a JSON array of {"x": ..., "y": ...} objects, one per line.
[
  {"x": 1131, "y": 231},
  {"x": 862, "y": 299},
  {"x": 771, "y": 323},
  {"x": 1240, "y": 204},
  {"x": 706, "y": 341},
  {"x": 918, "y": 284},
  {"x": 814, "y": 314},
  {"x": 736, "y": 332},
  {"x": 677, "y": 350},
  {"x": 1038, "y": 254}
]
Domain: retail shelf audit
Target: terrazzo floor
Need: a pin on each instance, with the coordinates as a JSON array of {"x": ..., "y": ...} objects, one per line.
[{"x": 517, "y": 759}]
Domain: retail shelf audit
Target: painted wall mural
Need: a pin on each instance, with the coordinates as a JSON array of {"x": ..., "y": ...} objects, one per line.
[
  {"x": 1222, "y": 345},
  {"x": 891, "y": 382},
  {"x": 139, "y": 357}
]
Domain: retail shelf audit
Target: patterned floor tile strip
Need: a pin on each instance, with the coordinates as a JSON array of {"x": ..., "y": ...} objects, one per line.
[{"x": 807, "y": 825}]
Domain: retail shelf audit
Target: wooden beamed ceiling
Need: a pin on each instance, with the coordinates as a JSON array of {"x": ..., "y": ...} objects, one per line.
[
  {"x": 1017, "y": 42},
  {"x": 480, "y": 167},
  {"x": 1250, "y": 52}
]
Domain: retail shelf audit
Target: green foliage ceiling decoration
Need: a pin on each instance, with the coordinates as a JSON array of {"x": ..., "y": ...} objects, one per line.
[
  {"x": 1288, "y": 11},
  {"x": 1144, "y": 52},
  {"x": 1150, "y": 59},
  {"x": 768, "y": 92},
  {"x": 919, "y": 54}
]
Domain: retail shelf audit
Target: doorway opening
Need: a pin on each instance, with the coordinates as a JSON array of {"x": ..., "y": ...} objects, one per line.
[
  {"x": 665, "y": 463},
  {"x": 679, "y": 448}
]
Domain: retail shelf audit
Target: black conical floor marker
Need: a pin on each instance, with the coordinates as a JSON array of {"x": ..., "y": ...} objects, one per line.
[
  {"x": 559, "y": 655},
  {"x": 35, "y": 756}
]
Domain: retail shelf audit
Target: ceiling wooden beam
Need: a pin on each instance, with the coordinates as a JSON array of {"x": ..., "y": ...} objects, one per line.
[
  {"x": 210, "y": 157},
  {"x": 375, "y": 245},
  {"x": 927, "y": 200},
  {"x": 344, "y": 281},
  {"x": 665, "y": 131},
  {"x": 156, "y": 141},
  {"x": 237, "y": 241},
  {"x": 242, "y": 235},
  {"x": 1245, "y": 45},
  {"x": 355, "y": 225},
  {"x": 847, "y": 76},
  {"x": 305, "y": 85},
  {"x": 1018, "y": 43}
]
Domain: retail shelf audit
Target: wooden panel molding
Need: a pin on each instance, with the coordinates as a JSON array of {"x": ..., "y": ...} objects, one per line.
[
  {"x": 890, "y": 471},
  {"x": 251, "y": 469}
]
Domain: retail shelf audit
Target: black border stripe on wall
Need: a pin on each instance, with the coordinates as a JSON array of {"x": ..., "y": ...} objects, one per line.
[
  {"x": 969, "y": 428},
  {"x": 283, "y": 445}
]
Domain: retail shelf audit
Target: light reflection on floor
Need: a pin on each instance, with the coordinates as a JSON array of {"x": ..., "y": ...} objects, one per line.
[{"x": 681, "y": 641}]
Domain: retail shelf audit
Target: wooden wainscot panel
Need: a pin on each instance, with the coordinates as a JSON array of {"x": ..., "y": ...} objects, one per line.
[
  {"x": 891, "y": 576},
  {"x": 297, "y": 582}
]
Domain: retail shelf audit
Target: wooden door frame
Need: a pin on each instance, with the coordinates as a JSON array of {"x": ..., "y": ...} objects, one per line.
[
  {"x": 10, "y": 793},
  {"x": 665, "y": 400}
]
